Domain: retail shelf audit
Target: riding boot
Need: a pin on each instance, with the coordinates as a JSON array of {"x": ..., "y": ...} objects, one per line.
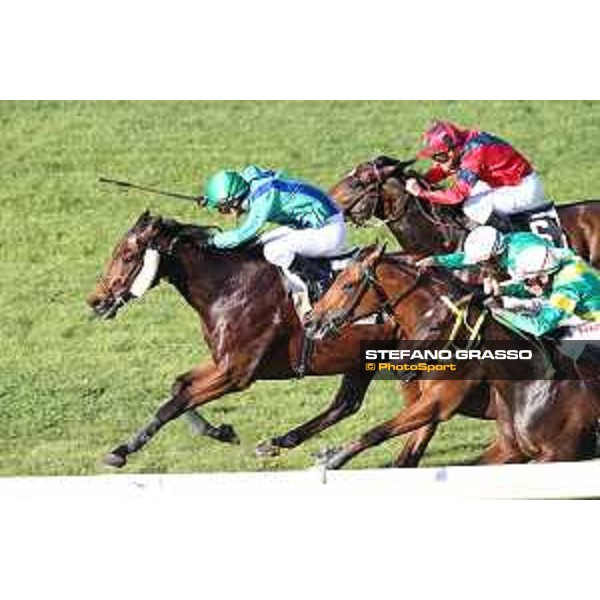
[
  {"x": 299, "y": 291},
  {"x": 317, "y": 274},
  {"x": 501, "y": 222},
  {"x": 302, "y": 305}
]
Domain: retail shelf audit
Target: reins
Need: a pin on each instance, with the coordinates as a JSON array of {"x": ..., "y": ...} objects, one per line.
[{"x": 368, "y": 280}]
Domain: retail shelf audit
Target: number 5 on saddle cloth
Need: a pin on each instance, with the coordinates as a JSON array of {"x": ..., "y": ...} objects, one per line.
[{"x": 543, "y": 221}]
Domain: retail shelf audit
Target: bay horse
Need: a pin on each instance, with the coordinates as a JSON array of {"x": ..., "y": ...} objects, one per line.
[
  {"x": 248, "y": 322},
  {"x": 376, "y": 188},
  {"x": 538, "y": 418}
]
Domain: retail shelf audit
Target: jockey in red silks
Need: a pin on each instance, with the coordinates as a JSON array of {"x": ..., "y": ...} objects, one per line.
[{"x": 494, "y": 183}]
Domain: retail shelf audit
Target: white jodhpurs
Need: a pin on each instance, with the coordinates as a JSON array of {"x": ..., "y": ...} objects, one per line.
[
  {"x": 282, "y": 244},
  {"x": 508, "y": 200},
  {"x": 577, "y": 336}
]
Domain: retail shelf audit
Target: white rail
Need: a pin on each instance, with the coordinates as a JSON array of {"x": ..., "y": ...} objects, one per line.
[{"x": 556, "y": 480}]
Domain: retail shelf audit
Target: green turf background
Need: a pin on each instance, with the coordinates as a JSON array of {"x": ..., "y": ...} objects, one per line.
[{"x": 71, "y": 388}]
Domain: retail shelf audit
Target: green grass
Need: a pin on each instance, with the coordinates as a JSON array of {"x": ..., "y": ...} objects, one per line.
[{"x": 71, "y": 388}]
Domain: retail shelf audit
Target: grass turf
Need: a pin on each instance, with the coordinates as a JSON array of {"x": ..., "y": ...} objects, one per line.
[{"x": 71, "y": 388}]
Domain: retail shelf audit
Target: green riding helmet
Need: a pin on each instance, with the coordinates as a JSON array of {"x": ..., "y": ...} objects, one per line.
[{"x": 223, "y": 187}]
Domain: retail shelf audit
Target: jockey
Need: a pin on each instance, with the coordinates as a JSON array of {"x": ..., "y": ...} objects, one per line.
[
  {"x": 485, "y": 245},
  {"x": 569, "y": 290},
  {"x": 550, "y": 288},
  {"x": 568, "y": 286},
  {"x": 492, "y": 181},
  {"x": 311, "y": 224}
]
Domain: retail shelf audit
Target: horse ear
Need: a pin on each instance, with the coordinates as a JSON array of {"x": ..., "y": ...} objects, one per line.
[
  {"x": 405, "y": 164},
  {"x": 143, "y": 218},
  {"x": 383, "y": 161}
]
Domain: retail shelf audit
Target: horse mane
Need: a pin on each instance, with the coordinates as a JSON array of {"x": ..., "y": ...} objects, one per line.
[
  {"x": 187, "y": 232},
  {"x": 198, "y": 235}
]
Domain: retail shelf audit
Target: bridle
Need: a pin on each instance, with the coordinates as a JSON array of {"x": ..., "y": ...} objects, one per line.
[
  {"x": 125, "y": 283},
  {"x": 368, "y": 280},
  {"x": 370, "y": 179},
  {"x": 370, "y": 185}
]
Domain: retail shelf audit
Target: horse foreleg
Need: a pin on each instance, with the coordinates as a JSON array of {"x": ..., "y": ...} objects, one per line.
[
  {"x": 415, "y": 446},
  {"x": 347, "y": 401},
  {"x": 439, "y": 404},
  {"x": 417, "y": 442},
  {"x": 199, "y": 386}
]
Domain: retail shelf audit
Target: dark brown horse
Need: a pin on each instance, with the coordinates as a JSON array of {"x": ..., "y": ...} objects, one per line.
[
  {"x": 377, "y": 189},
  {"x": 539, "y": 418},
  {"x": 248, "y": 323}
]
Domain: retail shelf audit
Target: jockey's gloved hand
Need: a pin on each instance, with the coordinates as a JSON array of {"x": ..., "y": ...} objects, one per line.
[
  {"x": 413, "y": 187},
  {"x": 491, "y": 286},
  {"x": 492, "y": 302},
  {"x": 425, "y": 263},
  {"x": 481, "y": 297}
]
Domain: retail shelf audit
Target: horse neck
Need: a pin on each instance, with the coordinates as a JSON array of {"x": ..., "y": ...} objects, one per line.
[
  {"x": 203, "y": 278},
  {"x": 398, "y": 279},
  {"x": 415, "y": 231},
  {"x": 422, "y": 313}
]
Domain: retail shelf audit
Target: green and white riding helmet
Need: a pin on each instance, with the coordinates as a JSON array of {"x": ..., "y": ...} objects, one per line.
[
  {"x": 483, "y": 243},
  {"x": 223, "y": 187},
  {"x": 534, "y": 261}
]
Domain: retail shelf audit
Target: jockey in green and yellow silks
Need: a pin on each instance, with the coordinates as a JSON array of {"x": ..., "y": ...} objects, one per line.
[
  {"x": 567, "y": 285},
  {"x": 564, "y": 284},
  {"x": 486, "y": 244},
  {"x": 549, "y": 287}
]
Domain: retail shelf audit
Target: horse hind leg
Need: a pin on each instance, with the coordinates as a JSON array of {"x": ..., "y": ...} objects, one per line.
[
  {"x": 201, "y": 426},
  {"x": 417, "y": 442}
]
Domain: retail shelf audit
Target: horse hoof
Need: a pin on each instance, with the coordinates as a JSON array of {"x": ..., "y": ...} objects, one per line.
[
  {"x": 114, "y": 460},
  {"x": 226, "y": 433},
  {"x": 267, "y": 450},
  {"x": 324, "y": 455}
]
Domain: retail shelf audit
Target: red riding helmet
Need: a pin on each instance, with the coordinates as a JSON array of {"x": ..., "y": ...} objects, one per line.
[{"x": 441, "y": 137}]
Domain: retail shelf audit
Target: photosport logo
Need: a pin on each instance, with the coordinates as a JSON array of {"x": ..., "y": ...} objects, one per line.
[{"x": 442, "y": 359}]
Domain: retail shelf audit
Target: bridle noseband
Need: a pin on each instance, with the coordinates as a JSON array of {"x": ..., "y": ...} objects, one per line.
[
  {"x": 121, "y": 297},
  {"x": 368, "y": 280}
]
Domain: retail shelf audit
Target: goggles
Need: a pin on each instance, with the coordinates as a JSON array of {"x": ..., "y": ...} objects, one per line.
[{"x": 441, "y": 157}]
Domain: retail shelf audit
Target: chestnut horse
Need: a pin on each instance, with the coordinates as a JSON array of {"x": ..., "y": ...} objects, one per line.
[
  {"x": 377, "y": 189},
  {"x": 248, "y": 322},
  {"x": 538, "y": 418}
]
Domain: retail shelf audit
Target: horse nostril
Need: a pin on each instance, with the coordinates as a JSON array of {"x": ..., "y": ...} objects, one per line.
[{"x": 94, "y": 301}]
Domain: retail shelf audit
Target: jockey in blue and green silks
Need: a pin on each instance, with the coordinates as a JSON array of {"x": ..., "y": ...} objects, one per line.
[{"x": 311, "y": 225}]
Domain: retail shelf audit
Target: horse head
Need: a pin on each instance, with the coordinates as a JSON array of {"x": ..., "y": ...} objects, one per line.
[
  {"x": 132, "y": 269},
  {"x": 362, "y": 192},
  {"x": 353, "y": 294}
]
